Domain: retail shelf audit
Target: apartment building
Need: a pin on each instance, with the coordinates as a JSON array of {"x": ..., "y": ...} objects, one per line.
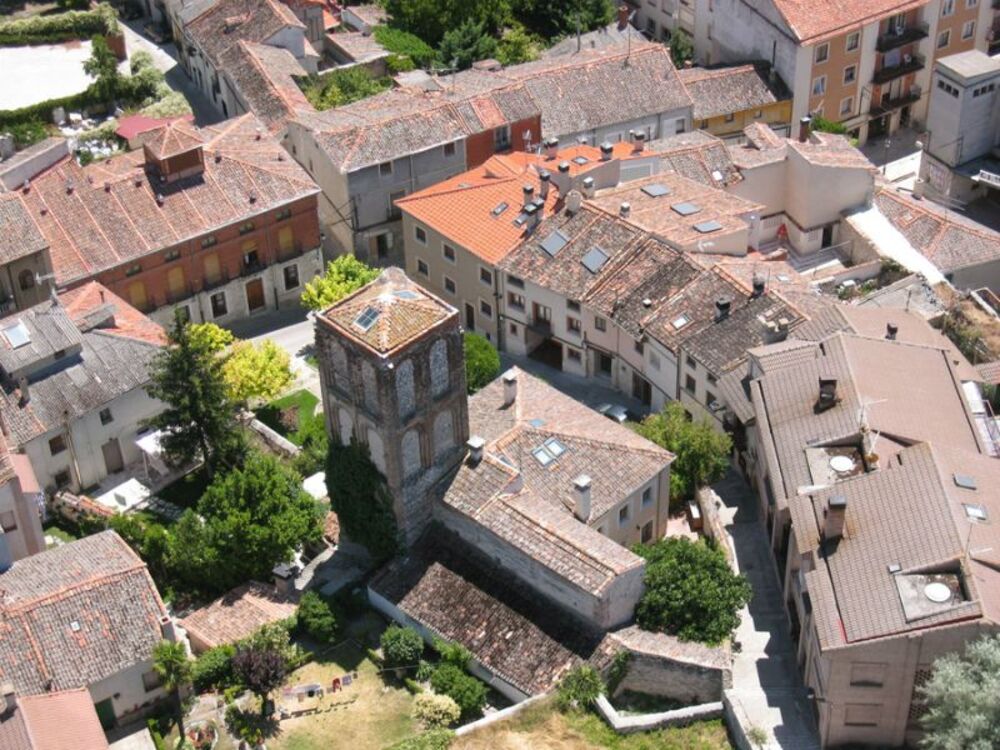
[
  {"x": 961, "y": 157},
  {"x": 217, "y": 222},
  {"x": 865, "y": 65}
]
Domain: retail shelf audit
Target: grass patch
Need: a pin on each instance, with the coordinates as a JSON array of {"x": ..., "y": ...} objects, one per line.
[
  {"x": 291, "y": 415},
  {"x": 543, "y": 727},
  {"x": 186, "y": 491},
  {"x": 312, "y": 361},
  {"x": 53, "y": 529}
]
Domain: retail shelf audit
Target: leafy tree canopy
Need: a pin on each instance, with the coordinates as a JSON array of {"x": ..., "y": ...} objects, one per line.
[
  {"x": 405, "y": 44},
  {"x": 210, "y": 336},
  {"x": 961, "y": 699},
  {"x": 555, "y": 18},
  {"x": 580, "y": 687},
  {"x": 516, "y": 46},
  {"x": 200, "y": 414},
  {"x": 430, "y": 19},
  {"x": 681, "y": 48},
  {"x": 316, "y": 617},
  {"x": 262, "y": 670},
  {"x": 343, "y": 275},
  {"x": 464, "y": 45},
  {"x": 401, "y": 647},
  {"x": 172, "y": 666},
  {"x": 691, "y": 591},
  {"x": 702, "y": 452},
  {"x": 340, "y": 87},
  {"x": 257, "y": 371},
  {"x": 482, "y": 362},
  {"x": 102, "y": 66}
]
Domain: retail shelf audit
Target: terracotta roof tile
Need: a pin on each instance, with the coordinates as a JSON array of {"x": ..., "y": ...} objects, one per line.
[
  {"x": 60, "y": 721},
  {"x": 723, "y": 91},
  {"x": 813, "y": 21},
  {"x": 238, "y": 614}
]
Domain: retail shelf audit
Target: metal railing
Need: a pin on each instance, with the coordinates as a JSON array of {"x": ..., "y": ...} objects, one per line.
[
  {"x": 909, "y": 64},
  {"x": 896, "y": 38}
]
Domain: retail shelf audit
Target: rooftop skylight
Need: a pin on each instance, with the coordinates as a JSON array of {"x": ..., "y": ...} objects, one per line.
[
  {"x": 656, "y": 190},
  {"x": 405, "y": 294},
  {"x": 548, "y": 451},
  {"x": 581, "y": 160},
  {"x": 975, "y": 512},
  {"x": 554, "y": 242},
  {"x": 500, "y": 208},
  {"x": 367, "y": 318},
  {"x": 680, "y": 321},
  {"x": 685, "y": 208},
  {"x": 595, "y": 259},
  {"x": 16, "y": 334},
  {"x": 706, "y": 227}
]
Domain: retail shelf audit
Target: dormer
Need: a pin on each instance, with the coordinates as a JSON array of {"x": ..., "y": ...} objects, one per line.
[{"x": 175, "y": 151}]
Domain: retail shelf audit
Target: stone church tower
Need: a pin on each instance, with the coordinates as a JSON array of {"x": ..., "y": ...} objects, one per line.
[{"x": 392, "y": 370}]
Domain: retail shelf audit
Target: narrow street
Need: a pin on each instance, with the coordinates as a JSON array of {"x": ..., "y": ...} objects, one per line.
[{"x": 767, "y": 688}]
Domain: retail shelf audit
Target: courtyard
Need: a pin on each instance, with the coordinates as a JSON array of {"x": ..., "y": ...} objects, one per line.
[{"x": 45, "y": 71}]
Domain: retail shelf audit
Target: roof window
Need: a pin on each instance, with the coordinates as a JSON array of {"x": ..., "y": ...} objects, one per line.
[
  {"x": 554, "y": 242},
  {"x": 499, "y": 209},
  {"x": 685, "y": 208},
  {"x": 595, "y": 259},
  {"x": 976, "y": 512},
  {"x": 656, "y": 190},
  {"x": 17, "y": 334},
  {"x": 706, "y": 227},
  {"x": 548, "y": 451},
  {"x": 367, "y": 318}
]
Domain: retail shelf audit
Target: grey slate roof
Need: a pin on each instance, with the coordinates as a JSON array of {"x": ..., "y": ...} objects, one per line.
[
  {"x": 20, "y": 236},
  {"x": 98, "y": 583},
  {"x": 50, "y": 330},
  {"x": 226, "y": 22},
  {"x": 730, "y": 89}
]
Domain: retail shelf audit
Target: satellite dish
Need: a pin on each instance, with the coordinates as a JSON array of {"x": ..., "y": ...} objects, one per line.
[
  {"x": 841, "y": 464},
  {"x": 937, "y": 592}
]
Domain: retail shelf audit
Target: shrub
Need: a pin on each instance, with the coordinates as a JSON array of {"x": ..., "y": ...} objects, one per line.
[
  {"x": 414, "y": 687},
  {"x": 59, "y": 27},
  {"x": 435, "y": 739},
  {"x": 28, "y": 133},
  {"x": 468, "y": 692},
  {"x": 340, "y": 87},
  {"x": 317, "y": 618},
  {"x": 435, "y": 710},
  {"x": 214, "y": 669},
  {"x": 405, "y": 44},
  {"x": 482, "y": 363},
  {"x": 401, "y": 647},
  {"x": 424, "y": 670},
  {"x": 453, "y": 653},
  {"x": 580, "y": 687}
]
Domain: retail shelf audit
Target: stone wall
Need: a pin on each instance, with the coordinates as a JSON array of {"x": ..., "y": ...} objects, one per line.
[{"x": 709, "y": 503}]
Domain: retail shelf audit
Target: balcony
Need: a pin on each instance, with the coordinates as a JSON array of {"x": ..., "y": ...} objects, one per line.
[
  {"x": 910, "y": 64},
  {"x": 888, "y": 105},
  {"x": 214, "y": 282},
  {"x": 542, "y": 326},
  {"x": 899, "y": 37}
]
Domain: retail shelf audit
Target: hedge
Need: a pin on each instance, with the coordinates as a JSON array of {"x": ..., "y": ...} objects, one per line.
[{"x": 62, "y": 27}]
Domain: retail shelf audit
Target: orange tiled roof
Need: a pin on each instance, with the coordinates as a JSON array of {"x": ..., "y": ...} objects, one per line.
[
  {"x": 127, "y": 320},
  {"x": 174, "y": 138},
  {"x": 812, "y": 21},
  {"x": 62, "y": 721},
  {"x": 238, "y": 614}
]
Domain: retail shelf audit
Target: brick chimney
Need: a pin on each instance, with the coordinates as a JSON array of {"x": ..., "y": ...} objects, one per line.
[
  {"x": 623, "y": 13},
  {"x": 805, "y": 127},
  {"x": 581, "y": 487},
  {"x": 827, "y": 398},
  {"x": 722, "y": 306},
  {"x": 509, "y": 388},
  {"x": 834, "y": 517}
]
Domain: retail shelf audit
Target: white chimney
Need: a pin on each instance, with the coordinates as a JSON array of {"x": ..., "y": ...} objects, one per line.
[
  {"x": 551, "y": 148},
  {"x": 588, "y": 187},
  {"x": 9, "y": 699},
  {"x": 606, "y": 151},
  {"x": 509, "y": 387},
  {"x": 168, "y": 629},
  {"x": 582, "y": 497},
  {"x": 573, "y": 202},
  {"x": 625, "y": 209},
  {"x": 834, "y": 517},
  {"x": 640, "y": 141},
  {"x": 528, "y": 192},
  {"x": 476, "y": 446},
  {"x": 22, "y": 385},
  {"x": 544, "y": 178}
]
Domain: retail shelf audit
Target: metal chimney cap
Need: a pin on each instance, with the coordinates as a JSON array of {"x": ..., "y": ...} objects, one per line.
[
  {"x": 476, "y": 443},
  {"x": 582, "y": 482}
]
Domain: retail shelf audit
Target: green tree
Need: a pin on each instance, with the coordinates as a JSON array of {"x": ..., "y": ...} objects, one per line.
[
  {"x": 102, "y": 66},
  {"x": 691, "y": 591},
  {"x": 200, "y": 415},
  {"x": 316, "y": 617},
  {"x": 262, "y": 670},
  {"x": 360, "y": 498},
  {"x": 214, "y": 668},
  {"x": 212, "y": 337},
  {"x": 401, "y": 647},
  {"x": 961, "y": 699},
  {"x": 702, "y": 452},
  {"x": 405, "y": 44},
  {"x": 430, "y": 19},
  {"x": 516, "y": 46},
  {"x": 340, "y": 87},
  {"x": 468, "y": 692},
  {"x": 482, "y": 362},
  {"x": 344, "y": 275},
  {"x": 464, "y": 45},
  {"x": 580, "y": 687},
  {"x": 681, "y": 48},
  {"x": 247, "y": 521},
  {"x": 554, "y": 18},
  {"x": 256, "y": 372},
  {"x": 172, "y": 666}
]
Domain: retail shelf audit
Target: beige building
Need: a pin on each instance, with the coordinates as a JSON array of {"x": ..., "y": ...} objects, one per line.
[
  {"x": 726, "y": 99},
  {"x": 20, "y": 509}
]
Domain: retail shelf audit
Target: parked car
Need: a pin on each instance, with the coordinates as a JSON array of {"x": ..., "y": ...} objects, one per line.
[{"x": 616, "y": 413}]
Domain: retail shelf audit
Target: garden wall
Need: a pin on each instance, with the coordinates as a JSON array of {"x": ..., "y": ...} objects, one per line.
[
  {"x": 709, "y": 503},
  {"x": 649, "y": 722}
]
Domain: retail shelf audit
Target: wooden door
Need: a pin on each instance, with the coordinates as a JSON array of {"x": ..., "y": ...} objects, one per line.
[
  {"x": 255, "y": 294},
  {"x": 175, "y": 283},
  {"x": 137, "y": 295}
]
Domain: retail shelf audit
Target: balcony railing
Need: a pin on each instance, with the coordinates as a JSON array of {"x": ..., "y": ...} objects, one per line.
[
  {"x": 909, "y": 64},
  {"x": 888, "y": 105},
  {"x": 898, "y": 37},
  {"x": 541, "y": 325},
  {"x": 176, "y": 295},
  {"x": 214, "y": 282}
]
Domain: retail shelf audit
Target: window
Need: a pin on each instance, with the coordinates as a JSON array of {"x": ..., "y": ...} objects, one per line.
[
  {"x": 449, "y": 285},
  {"x": 486, "y": 276},
  {"x": 515, "y": 300},
  {"x": 449, "y": 149},
  {"x": 850, "y": 74},
  {"x": 209, "y": 241},
  {"x": 26, "y": 280},
  {"x": 574, "y": 354},
  {"x": 867, "y": 675},
  {"x": 8, "y": 521},
  {"x": 395, "y": 211},
  {"x": 133, "y": 270},
  {"x": 420, "y": 234},
  {"x": 604, "y": 363},
  {"x": 654, "y": 360},
  {"x": 819, "y": 86},
  {"x": 758, "y": 114},
  {"x": 600, "y": 323},
  {"x": 709, "y": 398},
  {"x": 971, "y": 3},
  {"x": 574, "y": 325},
  {"x": 283, "y": 214},
  {"x": 690, "y": 384},
  {"x": 422, "y": 268},
  {"x": 647, "y": 497},
  {"x": 822, "y": 53},
  {"x": 246, "y": 228},
  {"x": 862, "y": 714},
  {"x": 62, "y": 478},
  {"x": 572, "y": 305},
  {"x": 219, "y": 307},
  {"x": 515, "y": 282},
  {"x": 106, "y": 417},
  {"x": 730, "y": 117},
  {"x": 513, "y": 329},
  {"x": 448, "y": 252},
  {"x": 647, "y": 532},
  {"x": 486, "y": 308},
  {"x": 291, "y": 276},
  {"x": 385, "y": 169},
  {"x": 501, "y": 138},
  {"x": 947, "y": 7},
  {"x": 623, "y": 515},
  {"x": 847, "y": 105},
  {"x": 172, "y": 254},
  {"x": 690, "y": 362},
  {"x": 57, "y": 445},
  {"x": 968, "y": 29},
  {"x": 853, "y": 41},
  {"x": 944, "y": 39},
  {"x": 150, "y": 681},
  {"x": 712, "y": 379},
  {"x": 639, "y": 347}
]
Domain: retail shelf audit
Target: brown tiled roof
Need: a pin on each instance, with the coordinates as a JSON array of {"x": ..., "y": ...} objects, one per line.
[
  {"x": 727, "y": 90},
  {"x": 948, "y": 241},
  {"x": 518, "y": 637},
  {"x": 401, "y": 310},
  {"x": 176, "y": 137},
  {"x": 698, "y": 156},
  {"x": 656, "y": 215},
  {"x": 830, "y": 150},
  {"x": 76, "y": 614},
  {"x": 264, "y": 77},
  {"x": 358, "y": 46},
  {"x": 990, "y": 372},
  {"x": 19, "y": 235},
  {"x": 238, "y": 614},
  {"x": 107, "y": 213},
  {"x": 83, "y": 302},
  {"x": 911, "y": 514},
  {"x": 64, "y": 720},
  {"x": 226, "y": 22},
  {"x": 812, "y": 21},
  {"x": 696, "y": 303}
]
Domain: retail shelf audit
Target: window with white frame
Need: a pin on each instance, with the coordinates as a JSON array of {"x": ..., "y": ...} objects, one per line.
[
  {"x": 968, "y": 29},
  {"x": 486, "y": 276},
  {"x": 624, "y": 513},
  {"x": 850, "y": 74},
  {"x": 947, "y": 7},
  {"x": 822, "y": 53},
  {"x": 944, "y": 39},
  {"x": 449, "y": 285},
  {"x": 420, "y": 234},
  {"x": 448, "y": 252},
  {"x": 486, "y": 308},
  {"x": 422, "y": 268},
  {"x": 853, "y": 41},
  {"x": 819, "y": 86},
  {"x": 847, "y": 105},
  {"x": 647, "y": 497}
]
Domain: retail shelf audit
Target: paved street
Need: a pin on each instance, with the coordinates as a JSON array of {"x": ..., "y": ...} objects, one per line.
[{"x": 767, "y": 688}]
